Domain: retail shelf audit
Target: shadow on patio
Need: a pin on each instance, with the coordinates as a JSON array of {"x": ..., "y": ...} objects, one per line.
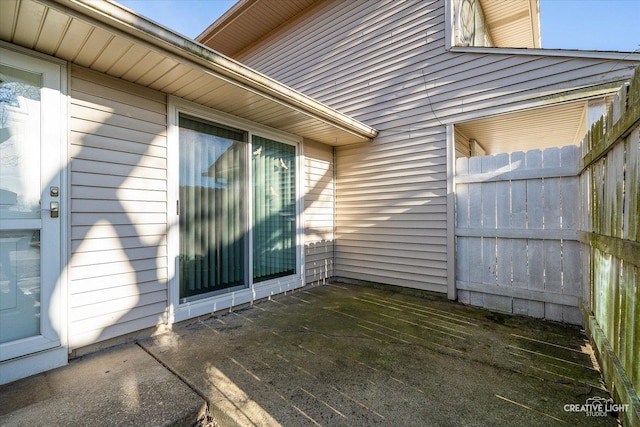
[{"x": 349, "y": 355}]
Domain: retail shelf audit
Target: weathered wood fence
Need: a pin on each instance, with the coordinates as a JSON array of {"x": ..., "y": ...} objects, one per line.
[
  {"x": 517, "y": 221},
  {"x": 610, "y": 182},
  {"x": 555, "y": 234}
]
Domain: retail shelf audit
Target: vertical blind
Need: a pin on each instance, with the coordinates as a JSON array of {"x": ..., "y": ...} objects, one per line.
[
  {"x": 213, "y": 253},
  {"x": 274, "y": 209},
  {"x": 212, "y": 218}
]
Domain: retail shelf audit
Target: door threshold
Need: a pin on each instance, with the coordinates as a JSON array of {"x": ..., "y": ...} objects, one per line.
[{"x": 25, "y": 366}]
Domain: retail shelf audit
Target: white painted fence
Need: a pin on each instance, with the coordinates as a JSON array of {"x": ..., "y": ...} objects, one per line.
[{"x": 516, "y": 236}]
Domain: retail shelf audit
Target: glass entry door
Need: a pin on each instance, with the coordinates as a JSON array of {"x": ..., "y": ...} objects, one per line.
[{"x": 30, "y": 196}]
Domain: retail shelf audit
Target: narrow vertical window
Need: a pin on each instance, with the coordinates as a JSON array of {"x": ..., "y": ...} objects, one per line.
[
  {"x": 212, "y": 210},
  {"x": 274, "y": 209}
]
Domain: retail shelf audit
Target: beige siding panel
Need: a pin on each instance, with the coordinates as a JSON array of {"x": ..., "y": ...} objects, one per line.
[
  {"x": 318, "y": 211},
  {"x": 124, "y": 194},
  {"x": 113, "y": 268},
  {"x": 106, "y": 155},
  {"x": 147, "y": 117},
  {"x": 121, "y": 322},
  {"x": 109, "y": 181},
  {"x": 133, "y": 242},
  {"x": 125, "y": 169},
  {"x": 99, "y": 85},
  {"x": 124, "y": 279},
  {"x": 388, "y": 228},
  {"x": 125, "y": 146},
  {"x": 144, "y": 232},
  {"x": 118, "y": 264},
  {"x": 364, "y": 23},
  {"x": 125, "y": 218},
  {"x": 88, "y": 304},
  {"x": 94, "y": 323}
]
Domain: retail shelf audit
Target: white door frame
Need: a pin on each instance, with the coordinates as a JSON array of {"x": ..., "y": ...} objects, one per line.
[{"x": 35, "y": 354}]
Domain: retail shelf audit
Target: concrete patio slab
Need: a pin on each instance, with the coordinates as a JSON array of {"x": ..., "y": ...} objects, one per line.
[
  {"x": 120, "y": 386},
  {"x": 334, "y": 355},
  {"x": 344, "y": 355}
]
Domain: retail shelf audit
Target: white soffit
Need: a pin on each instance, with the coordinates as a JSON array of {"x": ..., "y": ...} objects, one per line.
[
  {"x": 513, "y": 23},
  {"x": 554, "y": 126},
  {"x": 258, "y": 18},
  {"x": 108, "y": 38}
]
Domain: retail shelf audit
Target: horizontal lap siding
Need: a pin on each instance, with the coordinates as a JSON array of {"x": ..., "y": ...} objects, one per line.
[
  {"x": 319, "y": 207},
  {"x": 391, "y": 224},
  {"x": 385, "y": 64},
  {"x": 118, "y": 265},
  {"x": 390, "y": 194}
]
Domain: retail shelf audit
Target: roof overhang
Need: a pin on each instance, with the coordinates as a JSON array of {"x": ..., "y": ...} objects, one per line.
[
  {"x": 510, "y": 23},
  {"x": 109, "y": 38},
  {"x": 555, "y": 125},
  {"x": 248, "y": 21},
  {"x": 513, "y": 23}
]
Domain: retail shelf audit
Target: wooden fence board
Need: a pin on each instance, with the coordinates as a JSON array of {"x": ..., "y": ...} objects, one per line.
[
  {"x": 571, "y": 270},
  {"x": 511, "y": 234},
  {"x": 609, "y": 182},
  {"x": 570, "y": 207},
  {"x": 475, "y": 194},
  {"x": 632, "y": 182},
  {"x": 520, "y": 272},
  {"x": 535, "y": 202},
  {"x": 503, "y": 246}
]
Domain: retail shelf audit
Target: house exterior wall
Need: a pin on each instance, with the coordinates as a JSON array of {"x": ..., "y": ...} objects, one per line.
[
  {"x": 386, "y": 63},
  {"x": 118, "y": 229},
  {"x": 118, "y": 260},
  {"x": 319, "y": 206}
]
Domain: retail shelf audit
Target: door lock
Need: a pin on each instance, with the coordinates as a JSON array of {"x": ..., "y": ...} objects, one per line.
[
  {"x": 54, "y": 209},
  {"x": 54, "y": 191}
]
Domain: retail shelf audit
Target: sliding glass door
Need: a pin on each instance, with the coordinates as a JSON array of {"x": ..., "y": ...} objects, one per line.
[
  {"x": 212, "y": 208},
  {"x": 274, "y": 209},
  {"x": 237, "y": 203}
]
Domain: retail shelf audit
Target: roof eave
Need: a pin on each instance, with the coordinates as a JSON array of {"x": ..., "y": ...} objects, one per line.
[
  {"x": 571, "y": 53},
  {"x": 113, "y": 14}
]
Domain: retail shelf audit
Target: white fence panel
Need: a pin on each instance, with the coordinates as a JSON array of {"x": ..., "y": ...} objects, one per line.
[{"x": 516, "y": 233}]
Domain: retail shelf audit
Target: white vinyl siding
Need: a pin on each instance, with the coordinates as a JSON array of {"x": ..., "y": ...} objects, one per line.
[
  {"x": 385, "y": 64},
  {"x": 118, "y": 264},
  {"x": 391, "y": 217},
  {"x": 319, "y": 207}
]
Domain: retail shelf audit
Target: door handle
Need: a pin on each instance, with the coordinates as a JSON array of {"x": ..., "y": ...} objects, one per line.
[{"x": 54, "y": 209}]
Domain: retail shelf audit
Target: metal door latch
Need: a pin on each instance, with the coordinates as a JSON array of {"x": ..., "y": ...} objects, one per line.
[{"x": 54, "y": 209}]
